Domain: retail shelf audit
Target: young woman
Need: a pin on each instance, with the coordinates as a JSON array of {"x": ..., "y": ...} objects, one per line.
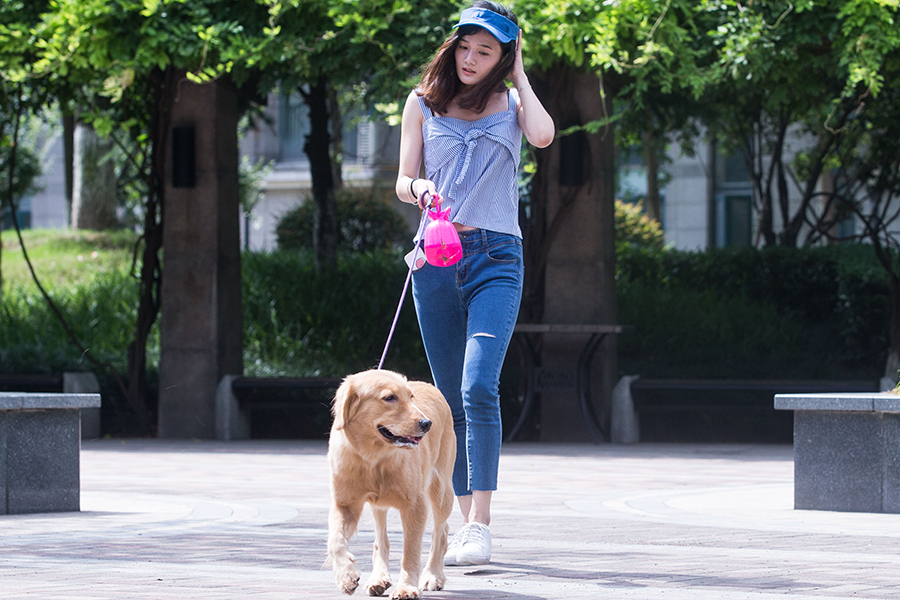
[{"x": 467, "y": 126}]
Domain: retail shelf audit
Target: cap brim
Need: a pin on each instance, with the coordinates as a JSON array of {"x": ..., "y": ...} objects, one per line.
[
  {"x": 502, "y": 37},
  {"x": 496, "y": 24}
]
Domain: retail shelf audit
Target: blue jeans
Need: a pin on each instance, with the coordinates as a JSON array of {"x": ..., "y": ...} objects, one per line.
[{"x": 467, "y": 313}]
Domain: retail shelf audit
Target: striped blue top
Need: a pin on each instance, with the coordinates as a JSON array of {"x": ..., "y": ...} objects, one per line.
[{"x": 475, "y": 165}]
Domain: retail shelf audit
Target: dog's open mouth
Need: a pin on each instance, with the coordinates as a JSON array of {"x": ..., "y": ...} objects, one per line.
[{"x": 399, "y": 440}]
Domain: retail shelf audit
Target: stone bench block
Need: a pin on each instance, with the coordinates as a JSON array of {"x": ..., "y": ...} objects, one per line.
[
  {"x": 40, "y": 446},
  {"x": 846, "y": 451},
  {"x": 85, "y": 383}
]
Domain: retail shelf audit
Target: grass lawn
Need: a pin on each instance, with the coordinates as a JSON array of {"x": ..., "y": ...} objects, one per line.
[{"x": 61, "y": 256}]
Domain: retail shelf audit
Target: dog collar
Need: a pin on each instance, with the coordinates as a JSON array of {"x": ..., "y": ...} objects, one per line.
[{"x": 499, "y": 26}]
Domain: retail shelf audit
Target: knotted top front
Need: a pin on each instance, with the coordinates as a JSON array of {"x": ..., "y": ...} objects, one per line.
[{"x": 475, "y": 166}]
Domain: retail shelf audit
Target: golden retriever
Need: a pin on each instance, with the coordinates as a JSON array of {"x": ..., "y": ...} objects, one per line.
[{"x": 392, "y": 445}]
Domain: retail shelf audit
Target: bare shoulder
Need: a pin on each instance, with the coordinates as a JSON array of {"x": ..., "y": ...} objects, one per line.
[
  {"x": 412, "y": 100},
  {"x": 411, "y": 110}
]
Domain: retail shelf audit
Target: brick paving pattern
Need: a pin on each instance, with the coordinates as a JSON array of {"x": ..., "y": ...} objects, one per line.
[{"x": 217, "y": 520}]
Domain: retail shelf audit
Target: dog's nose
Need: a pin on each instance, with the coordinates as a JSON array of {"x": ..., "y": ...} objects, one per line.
[{"x": 425, "y": 425}]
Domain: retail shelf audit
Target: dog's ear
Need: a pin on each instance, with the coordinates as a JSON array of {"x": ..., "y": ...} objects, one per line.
[{"x": 344, "y": 401}]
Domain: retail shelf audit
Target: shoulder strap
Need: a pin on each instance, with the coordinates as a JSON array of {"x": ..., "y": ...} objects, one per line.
[
  {"x": 425, "y": 110},
  {"x": 513, "y": 95}
]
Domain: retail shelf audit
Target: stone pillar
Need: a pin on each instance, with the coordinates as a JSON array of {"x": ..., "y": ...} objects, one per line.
[
  {"x": 201, "y": 333},
  {"x": 580, "y": 278}
]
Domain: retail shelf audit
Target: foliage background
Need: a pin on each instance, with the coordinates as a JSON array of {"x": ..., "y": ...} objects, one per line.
[{"x": 780, "y": 313}]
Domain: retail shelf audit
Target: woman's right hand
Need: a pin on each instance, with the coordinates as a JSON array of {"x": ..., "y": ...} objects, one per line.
[{"x": 428, "y": 189}]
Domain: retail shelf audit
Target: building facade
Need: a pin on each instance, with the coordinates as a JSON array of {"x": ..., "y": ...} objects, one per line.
[{"x": 706, "y": 198}]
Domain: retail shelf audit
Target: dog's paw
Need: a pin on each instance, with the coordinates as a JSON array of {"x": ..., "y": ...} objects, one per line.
[
  {"x": 432, "y": 581},
  {"x": 347, "y": 579},
  {"x": 378, "y": 584},
  {"x": 405, "y": 592}
]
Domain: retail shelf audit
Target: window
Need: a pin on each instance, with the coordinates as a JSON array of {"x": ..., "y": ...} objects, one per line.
[
  {"x": 293, "y": 127},
  {"x": 631, "y": 180},
  {"x": 360, "y": 135},
  {"x": 733, "y": 201},
  {"x": 734, "y": 216}
]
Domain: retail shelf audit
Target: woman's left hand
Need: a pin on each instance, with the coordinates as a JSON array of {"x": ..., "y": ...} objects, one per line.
[
  {"x": 517, "y": 76},
  {"x": 536, "y": 123}
]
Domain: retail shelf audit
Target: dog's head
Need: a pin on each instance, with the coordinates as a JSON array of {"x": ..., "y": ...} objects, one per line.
[{"x": 377, "y": 407}]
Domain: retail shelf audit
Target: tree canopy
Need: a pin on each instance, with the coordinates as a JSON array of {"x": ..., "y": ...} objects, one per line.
[{"x": 801, "y": 88}]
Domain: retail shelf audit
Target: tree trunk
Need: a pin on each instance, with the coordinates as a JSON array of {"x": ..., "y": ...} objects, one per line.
[
  {"x": 571, "y": 245},
  {"x": 651, "y": 156},
  {"x": 68, "y": 122},
  {"x": 151, "y": 268},
  {"x": 318, "y": 150},
  {"x": 336, "y": 139},
  {"x": 94, "y": 201}
]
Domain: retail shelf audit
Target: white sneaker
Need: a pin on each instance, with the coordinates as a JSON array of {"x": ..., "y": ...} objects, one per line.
[
  {"x": 453, "y": 545},
  {"x": 476, "y": 545}
]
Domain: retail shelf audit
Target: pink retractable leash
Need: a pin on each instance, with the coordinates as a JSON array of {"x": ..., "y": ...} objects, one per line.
[{"x": 442, "y": 249}]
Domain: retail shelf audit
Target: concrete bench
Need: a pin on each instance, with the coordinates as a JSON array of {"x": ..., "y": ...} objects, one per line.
[
  {"x": 846, "y": 451},
  {"x": 237, "y": 397},
  {"x": 40, "y": 446},
  {"x": 711, "y": 410},
  {"x": 83, "y": 382}
]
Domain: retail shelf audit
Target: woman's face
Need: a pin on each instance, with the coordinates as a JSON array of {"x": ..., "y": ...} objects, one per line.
[{"x": 476, "y": 55}]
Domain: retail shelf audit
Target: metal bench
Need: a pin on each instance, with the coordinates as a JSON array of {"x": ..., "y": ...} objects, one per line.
[{"x": 594, "y": 335}]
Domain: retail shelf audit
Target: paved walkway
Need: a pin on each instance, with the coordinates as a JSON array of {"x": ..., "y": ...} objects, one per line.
[{"x": 208, "y": 520}]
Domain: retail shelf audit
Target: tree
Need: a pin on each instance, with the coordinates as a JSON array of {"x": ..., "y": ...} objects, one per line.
[
  {"x": 822, "y": 73},
  {"x": 22, "y": 95},
  {"x": 624, "y": 54},
  {"x": 317, "y": 46},
  {"x": 863, "y": 188},
  {"x": 869, "y": 176},
  {"x": 120, "y": 63},
  {"x": 783, "y": 81}
]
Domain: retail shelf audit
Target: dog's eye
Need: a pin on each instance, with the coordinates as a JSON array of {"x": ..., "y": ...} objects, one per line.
[{"x": 390, "y": 398}]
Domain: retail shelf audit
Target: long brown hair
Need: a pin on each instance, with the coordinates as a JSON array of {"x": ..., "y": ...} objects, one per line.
[{"x": 440, "y": 83}]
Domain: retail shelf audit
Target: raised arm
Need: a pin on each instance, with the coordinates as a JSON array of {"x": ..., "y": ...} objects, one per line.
[{"x": 536, "y": 123}]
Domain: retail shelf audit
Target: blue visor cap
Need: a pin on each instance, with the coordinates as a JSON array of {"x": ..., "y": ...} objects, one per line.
[{"x": 500, "y": 27}]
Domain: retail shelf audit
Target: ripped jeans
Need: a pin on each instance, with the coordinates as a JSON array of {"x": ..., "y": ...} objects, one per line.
[{"x": 467, "y": 313}]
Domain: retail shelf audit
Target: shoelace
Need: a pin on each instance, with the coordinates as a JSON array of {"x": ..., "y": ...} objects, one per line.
[
  {"x": 470, "y": 534},
  {"x": 457, "y": 538}
]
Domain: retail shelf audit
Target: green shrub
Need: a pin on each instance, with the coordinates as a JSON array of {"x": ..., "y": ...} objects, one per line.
[
  {"x": 634, "y": 229},
  {"x": 299, "y": 322},
  {"x": 101, "y": 312},
  {"x": 366, "y": 221},
  {"x": 779, "y": 312}
]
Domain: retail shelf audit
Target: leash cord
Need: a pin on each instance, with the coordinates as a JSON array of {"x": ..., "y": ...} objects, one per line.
[{"x": 412, "y": 264}]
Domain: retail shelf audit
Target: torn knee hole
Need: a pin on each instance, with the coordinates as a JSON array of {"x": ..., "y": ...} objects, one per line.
[{"x": 487, "y": 335}]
